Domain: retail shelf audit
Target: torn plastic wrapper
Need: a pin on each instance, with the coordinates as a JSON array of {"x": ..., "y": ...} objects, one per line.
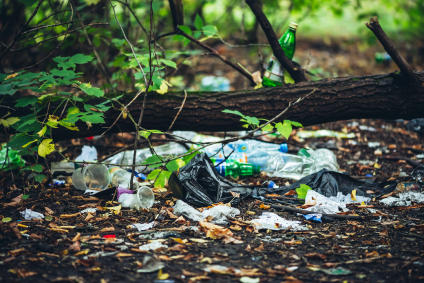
[
  {"x": 329, "y": 183},
  {"x": 199, "y": 184}
]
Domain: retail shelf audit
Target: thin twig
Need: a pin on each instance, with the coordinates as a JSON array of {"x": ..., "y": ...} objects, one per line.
[{"x": 181, "y": 108}]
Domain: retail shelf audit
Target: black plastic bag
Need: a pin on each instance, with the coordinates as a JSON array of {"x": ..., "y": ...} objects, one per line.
[
  {"x": 199, "y": 184},
  {"x": 329, "y": 183},
  {"x": 416, "y": 125}
]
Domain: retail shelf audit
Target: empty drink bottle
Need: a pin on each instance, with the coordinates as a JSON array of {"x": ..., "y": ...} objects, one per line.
[
  {"x": 274, "y": 74},
  {"x": 235, "y": 169}
]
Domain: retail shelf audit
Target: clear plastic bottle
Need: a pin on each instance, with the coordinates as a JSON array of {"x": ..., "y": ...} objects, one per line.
[
  {"x": 236, "y": 169},
  {"x": 325, "y": 158},
  {"x": 289, "y": 166},
  {"x": 252, "y": 145}
]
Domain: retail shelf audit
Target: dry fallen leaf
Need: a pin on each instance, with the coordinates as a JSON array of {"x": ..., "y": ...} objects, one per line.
[
  {"x": 316, "y": 255},
  {"x": 372, "y": 254},
  {"x": 108, "y": 229},
  {"x": 69, "y": 215},
  {"x": 75, "y": 247},
  {"x": 263, "y": 206},
  {"x": 235, "y": 228}
]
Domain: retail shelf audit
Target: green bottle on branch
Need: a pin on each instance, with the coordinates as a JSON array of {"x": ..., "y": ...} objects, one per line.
[{"x": 274, "y": 74}]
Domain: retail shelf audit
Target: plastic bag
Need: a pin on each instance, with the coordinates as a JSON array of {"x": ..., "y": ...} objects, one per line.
[
  {"x": 199, "y": 184},
  {"x": 416, "y": 125}
]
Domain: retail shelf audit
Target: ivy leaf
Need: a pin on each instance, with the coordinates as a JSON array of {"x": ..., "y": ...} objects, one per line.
[
  {"x": 185, "y": 29},
  {"x": 81, "y": 59},
  {"x": 174, "y": 165},
  {"x": 233, "y": 112},
  {"x": 153, "y": 175},
  {"x": 59, "y": 59},
  {"x": 45, "y": 148},
  {"x": 162, "y": 179},
  {"x": 30, "y": 76},
  {"x": 198, "y": 22},
  {"x": 25, "y": 101},
  {"x": 66, "y": 65},
  {"x": 24, "y": 197},
  {"x": 252, "y": 120},
  {"x": 284, "y": 129}
]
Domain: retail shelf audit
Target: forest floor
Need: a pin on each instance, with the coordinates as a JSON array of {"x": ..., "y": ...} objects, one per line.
[{"x": 68, "y": 246}]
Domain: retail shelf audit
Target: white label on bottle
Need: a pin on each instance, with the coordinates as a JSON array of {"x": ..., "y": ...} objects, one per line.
[{"x": 276, "y": 72}]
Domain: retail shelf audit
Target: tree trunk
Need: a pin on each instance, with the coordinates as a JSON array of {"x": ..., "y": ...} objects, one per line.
[{"x": 378, "y": 96}]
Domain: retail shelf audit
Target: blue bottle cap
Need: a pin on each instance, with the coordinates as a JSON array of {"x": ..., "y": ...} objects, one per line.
[
  {"x": 284, "y": 147},
  {"x": 271, "y": 184}
]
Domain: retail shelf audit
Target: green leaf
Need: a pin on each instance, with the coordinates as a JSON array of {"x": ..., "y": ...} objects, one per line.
[
  {"x": 169, "y": 63},
  {"x": 233, "y": 112},
  {"x": 37, "y": 168},
  {"x": 9, "y": 121},
  {"x": 287, "y": 78},
  {"x": 302, "y": 191},
  {"x": 6, "y": 219},
  {"x": 46, "y": 147},
  {"x": 198, "y": 22},
  {"x": 90, "y": 90},
  {"x": 59, "y": 59},
  {"x": 153, "y": 175},
  {"x": 66, "y": 65},
  {"x": 42, "y": 132},
  {"x": 284, "y": 129},
  {"x": 174, "y": 165},
  {"x": 209, "y": 30},
  {"x": 187, "y": 158},
  {"x": 153, "y": 159},
  {"x": 95, "y": 118},
  {"x": 178, "y": 37},
  {"x": 19, "y": 140},
  {"x": 30, "y": 76},
  {"x": 27, "y": 122},
  {"x": 297, "y": 124},
  {"x": 268, "y": 128},
  {"x": 252, "y": 120},
  {"x": 81, "y": 58},
  {"x": 72, "y": 110},
  {"x": 39, "y": 178},
  {"x": 7, "y": 89},
  {"x": 162, "y": 179},
  {"x": 139, "y": 76},
  {"x": 24, "y": 197},
  {"x": 197, "y": 34},
  {"x": 28, "y": 143},
  {"x": 118, "y": 42},
  {"x": 185, "y": 29},
  {"x": 75, "y": 98},
  {"x": 186, "y": 41}
]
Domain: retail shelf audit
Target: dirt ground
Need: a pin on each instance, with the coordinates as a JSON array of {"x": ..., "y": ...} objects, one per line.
[{"x": 68, "y": 246}]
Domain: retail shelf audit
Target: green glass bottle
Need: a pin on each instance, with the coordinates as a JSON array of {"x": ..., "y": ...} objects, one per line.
[
  {"x": 274, "y": 74},
  {"x": 236, "y": 169}
]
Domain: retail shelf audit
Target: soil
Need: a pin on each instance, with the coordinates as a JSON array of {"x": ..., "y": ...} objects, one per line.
[{"x": 67, "y": 248}]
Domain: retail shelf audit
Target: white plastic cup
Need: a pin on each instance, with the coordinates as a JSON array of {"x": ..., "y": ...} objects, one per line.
[{"x": 91, "y": 177}]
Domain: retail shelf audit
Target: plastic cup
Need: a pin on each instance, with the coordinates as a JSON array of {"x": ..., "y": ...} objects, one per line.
[
  {"x": 146, "y": 197},
  {"x": 91, "y": 177}
]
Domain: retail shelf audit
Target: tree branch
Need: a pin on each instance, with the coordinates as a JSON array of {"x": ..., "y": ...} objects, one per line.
[
  {"x": 295, "y": 72},
  {"x": 390, "y": 48}
]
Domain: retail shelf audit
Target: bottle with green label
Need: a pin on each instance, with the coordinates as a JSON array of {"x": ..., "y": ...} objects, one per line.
[
  {"x": 274, "y": 74},
  {"x": 235, "y": 169}
]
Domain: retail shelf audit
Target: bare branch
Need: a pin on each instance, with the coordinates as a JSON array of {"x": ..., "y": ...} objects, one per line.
[{"x": 181, "y": 108}]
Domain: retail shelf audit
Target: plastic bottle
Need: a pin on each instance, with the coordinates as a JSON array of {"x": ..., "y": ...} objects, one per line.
[
  {"x": 325, "y": 158},
  {"x": 236, "y": 169},
  {"x": 251, "y": 145},
  {"x": 121, "y": 178},
  {"x": 289, "y": 166}
]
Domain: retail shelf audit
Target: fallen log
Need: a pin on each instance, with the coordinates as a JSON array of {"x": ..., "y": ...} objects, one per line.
[{"x": 378, "y": 96}]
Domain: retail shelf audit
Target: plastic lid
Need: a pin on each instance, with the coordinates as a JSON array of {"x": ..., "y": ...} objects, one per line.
[
  {"x": 293, "y": 26},
  {"x": 271, "y": 184},
  {"x": 283, "y": 147}
]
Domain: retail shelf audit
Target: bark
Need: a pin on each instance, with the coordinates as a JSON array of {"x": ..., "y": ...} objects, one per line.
[{"x": 378, "y": 96}]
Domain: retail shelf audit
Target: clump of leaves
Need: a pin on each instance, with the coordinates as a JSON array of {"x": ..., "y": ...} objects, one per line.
[{"x": 284, "y": 128}]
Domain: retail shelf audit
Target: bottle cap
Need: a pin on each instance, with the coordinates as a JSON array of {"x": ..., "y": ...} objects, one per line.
[
  {"x": 283, "y": 147},
  {"x": 293, "y": 26}
]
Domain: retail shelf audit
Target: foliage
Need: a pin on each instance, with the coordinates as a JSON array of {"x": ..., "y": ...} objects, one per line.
[{"x": 285, "y": 128}]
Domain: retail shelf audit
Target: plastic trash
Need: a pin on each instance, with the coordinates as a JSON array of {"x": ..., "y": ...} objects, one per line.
[
  {"x": 418, "y": 174},
  {"x": 416, "y": 125},
  {"x": 272, "y": 221},
  {"x": 314, "y": 217},
  {"x": 236, "y": 169},
  {"x": 212, "y": 83},
  {"x": 121, "y": 178},
  {"x": 125, "y": 158},
  {"x": 322, "y": 204},
  {"x": 143, "y": 198},
  {"x": 150, "y": 264},
  {"x": 152, "y": 246},
  {"x": 218, "y": 213},
  {"x": 143, "y": 226},
  {"x": 381, "y": 57},
  {"x": 199, "y": 184},
  {"x": 329, "y": 183},
  {"x": 324, "y": 133},
  {"x": 13, "y": 158},
  {"x": 88, "y": 153},
  {"x": 89, "y": 209},
  {"x": 29, "y": 214},
  {"x": 91, "y": 177},
  {"x": 404, "y": 199},
  {"x": 68, "y": 167}
]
